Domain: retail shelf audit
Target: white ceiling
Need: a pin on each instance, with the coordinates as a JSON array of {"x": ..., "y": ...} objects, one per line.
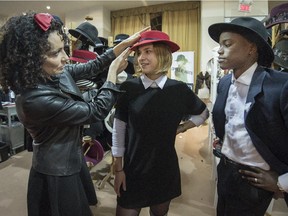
[{"x": 9, "y": 8}]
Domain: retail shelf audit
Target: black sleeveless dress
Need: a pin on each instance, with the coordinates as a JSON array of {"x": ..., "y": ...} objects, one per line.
[{"x": 150, "y": 161}]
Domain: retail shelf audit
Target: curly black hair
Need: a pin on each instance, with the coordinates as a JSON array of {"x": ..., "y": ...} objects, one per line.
[{"x": 23, "y": 45}]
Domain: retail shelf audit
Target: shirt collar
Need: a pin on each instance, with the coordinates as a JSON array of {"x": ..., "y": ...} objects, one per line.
[
  {"x": 246, "y": 77},
  {"x": 160, "y": 81}
]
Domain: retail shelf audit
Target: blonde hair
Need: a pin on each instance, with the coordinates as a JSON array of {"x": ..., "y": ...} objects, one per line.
[{"x": 164, "y": 56}]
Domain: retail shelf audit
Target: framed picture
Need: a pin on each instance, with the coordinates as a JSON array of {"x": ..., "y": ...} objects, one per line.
[{"x": 182, "y": 68}]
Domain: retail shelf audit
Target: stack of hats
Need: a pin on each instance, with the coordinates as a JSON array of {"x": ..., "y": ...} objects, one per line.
[
  {"x": 278, "y": 16},
  {"x": 83, "y": 56}
]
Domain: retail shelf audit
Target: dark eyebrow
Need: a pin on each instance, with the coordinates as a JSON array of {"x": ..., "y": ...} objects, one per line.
[{"x": 51, "y": 52}]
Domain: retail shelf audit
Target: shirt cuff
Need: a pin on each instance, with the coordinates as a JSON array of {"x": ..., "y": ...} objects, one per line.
[
  {"x": 200, "y": 119},
  {"x": 117, "y": 151},
  {"x": 283, "y": 181},
  {"x": 118, "y": 138}
]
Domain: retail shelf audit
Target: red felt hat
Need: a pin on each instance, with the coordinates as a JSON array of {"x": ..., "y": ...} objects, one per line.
[
  {"x": 82, "y": 56},
  {"x": 154, "y": 36}
]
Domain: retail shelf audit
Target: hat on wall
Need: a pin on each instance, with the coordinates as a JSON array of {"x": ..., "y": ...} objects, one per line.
[
  {"x": 82, "y": 56},
  {"x": 251, "y": 29},
  {"x": 181, "y": 57},
  {"x": 88, "y": 31},
  {"x": 154, "y": 36},
  {"x": 278, "y": 14},
  {"x": 119, "y": 38},
  {"x": 281, "y": 53}
]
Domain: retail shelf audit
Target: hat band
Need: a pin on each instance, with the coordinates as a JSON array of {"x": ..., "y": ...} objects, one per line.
[
  {"x": 278, "y": 18},
  {"x": 143, "y": 39}
]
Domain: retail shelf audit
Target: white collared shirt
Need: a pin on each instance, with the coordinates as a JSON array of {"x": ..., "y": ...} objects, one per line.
[{"x": 237, "y": 143}]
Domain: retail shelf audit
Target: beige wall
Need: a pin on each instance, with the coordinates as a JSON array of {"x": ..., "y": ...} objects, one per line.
[
  {"x": 213, "y": 11},
  {"x": 100, "y": 15}
]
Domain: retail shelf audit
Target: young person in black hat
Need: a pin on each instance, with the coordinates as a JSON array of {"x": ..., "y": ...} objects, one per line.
[
  {"x": 87, "y": 35},
  {"x": 250, "y": 117},
  {"x": 52, "y": 109},
  {"x": 147, "y": 119}
]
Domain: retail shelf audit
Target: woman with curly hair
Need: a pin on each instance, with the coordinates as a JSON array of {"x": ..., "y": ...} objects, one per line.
[{"x": 52, "y": 109}]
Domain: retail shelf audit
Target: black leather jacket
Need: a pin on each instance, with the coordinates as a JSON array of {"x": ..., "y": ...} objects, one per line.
[{"x": 55, "y": 112}]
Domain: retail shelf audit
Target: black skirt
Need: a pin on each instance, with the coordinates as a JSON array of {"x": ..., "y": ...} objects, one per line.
[{"x": 60, "y": 195}]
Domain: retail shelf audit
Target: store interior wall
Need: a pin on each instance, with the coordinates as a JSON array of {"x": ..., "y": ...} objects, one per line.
[{"x": 217, "y": 11}]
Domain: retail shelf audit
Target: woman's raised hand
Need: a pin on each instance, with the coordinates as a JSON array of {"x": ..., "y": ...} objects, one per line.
[
  {"x": 129, "y": 41},
  {"x": 135, "y": 37},
  {"x": 118, "y": 65}
]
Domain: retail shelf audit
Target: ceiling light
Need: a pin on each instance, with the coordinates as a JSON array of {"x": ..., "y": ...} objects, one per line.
[{"x": 48, "y": 7}]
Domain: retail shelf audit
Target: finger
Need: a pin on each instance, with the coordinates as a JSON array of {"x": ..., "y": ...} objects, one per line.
[
  {"x": 145, "y": 29},
  {"x": 124, "y": 185},
  {"x": 252, "y": 180},
  {"x": 248, "y": 173},
  {"x": 256, "y": 169},
  {"x": 118, "y": 191},
  {"x": 125, "y": 53}
]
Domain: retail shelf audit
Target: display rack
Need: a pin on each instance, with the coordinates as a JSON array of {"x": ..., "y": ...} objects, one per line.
[{"x": 11, "y": 130}]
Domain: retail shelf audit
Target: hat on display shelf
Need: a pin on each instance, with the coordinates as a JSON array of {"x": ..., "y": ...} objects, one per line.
[
  {"x": 278, "y": 15},
  {"x": 281, "y": 53}
]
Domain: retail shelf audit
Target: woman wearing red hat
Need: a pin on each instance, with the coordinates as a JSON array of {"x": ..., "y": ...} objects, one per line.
[{"x": 147, "y": 119}]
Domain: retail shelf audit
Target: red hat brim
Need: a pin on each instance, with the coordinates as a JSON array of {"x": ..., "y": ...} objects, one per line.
[
  {"x": 78, "y": 59},
  {"x": 173, "y": 46},
  {"x": 155, "y": 36}
]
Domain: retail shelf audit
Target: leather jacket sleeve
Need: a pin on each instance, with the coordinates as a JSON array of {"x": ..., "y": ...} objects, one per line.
[
  {"x": 92, "y": 68},
  {"x": 49, "y": 106}
]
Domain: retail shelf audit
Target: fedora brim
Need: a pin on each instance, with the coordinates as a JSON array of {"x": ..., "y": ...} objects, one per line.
[
  {"x": 276, "y": 23},
  {"x": 266, "y": 54},
  {"x": 78, "y": 32},
  {"x": 117, "y": 41},
  {"x": 173, "y": 46}
]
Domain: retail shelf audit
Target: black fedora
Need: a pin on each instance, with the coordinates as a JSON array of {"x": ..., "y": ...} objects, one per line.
[
  {"x": 251, "y": 29},
  {"x": 120, "y": 37},
  {"x": 88, "y": 31}
]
